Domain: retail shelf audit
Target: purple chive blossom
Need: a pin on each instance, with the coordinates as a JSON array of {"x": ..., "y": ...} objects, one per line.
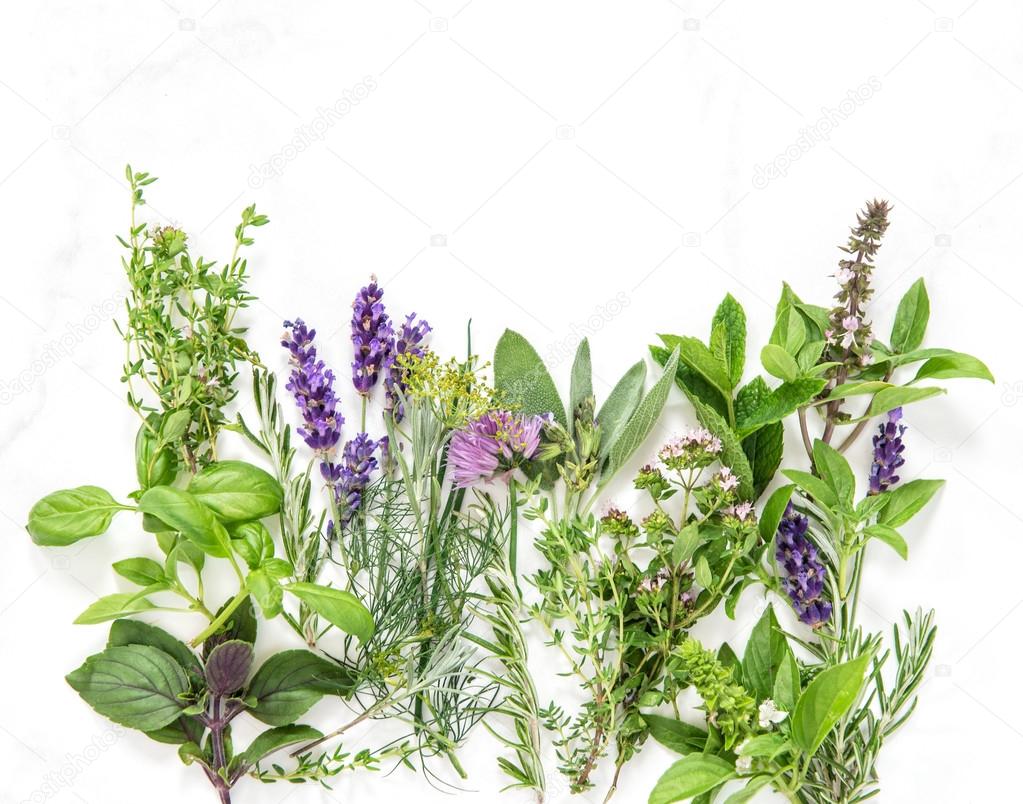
[
  {"x": 888, "y": 449},
  {"x": 312, "y": 385},
  {"x": 797, "y": 555},
  {"x": 349, "y": 478},
  {"x": 408, "y": 341},
  {"x": 371, "y": 336},
  {"x": 494, "y": 442}
]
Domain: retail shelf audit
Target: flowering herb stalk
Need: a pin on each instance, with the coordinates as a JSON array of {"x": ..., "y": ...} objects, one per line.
[
  {"x": 832, "y": 712},
  {"x": 202, "y": 512}
]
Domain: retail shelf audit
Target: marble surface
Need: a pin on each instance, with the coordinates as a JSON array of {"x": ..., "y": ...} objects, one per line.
[{"x": 567, "y": 169}]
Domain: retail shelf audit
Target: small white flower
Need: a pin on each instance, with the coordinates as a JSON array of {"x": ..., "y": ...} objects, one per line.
[
  {"x": 845, "y": 276},
  {"x": 769, "y": 714},
  {"x": 744, "y": 764}
]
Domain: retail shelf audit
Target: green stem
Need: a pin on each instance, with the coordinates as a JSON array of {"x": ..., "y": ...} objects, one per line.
[
  {"x": 215, "y": 626},
  {"x": 513, "y": 534}
]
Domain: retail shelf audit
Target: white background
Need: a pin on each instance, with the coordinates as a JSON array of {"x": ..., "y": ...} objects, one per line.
[{"x": 563, "y": 168}]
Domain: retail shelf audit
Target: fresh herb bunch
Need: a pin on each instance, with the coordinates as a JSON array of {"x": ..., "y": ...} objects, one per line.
[
  {"x": 197, "y": 508},
  {"x": 822, "y": 721}
]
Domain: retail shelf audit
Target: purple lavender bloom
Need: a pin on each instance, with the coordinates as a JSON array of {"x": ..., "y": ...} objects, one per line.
[
  {"x": 495, "y": 442},
  {"x": 888, "y": 449},
  {"x": 349, "y": 478},
  {"x": 797, "y": 555},
  {"x": 372, "y": 336},
  {"x": 312, "y": 385},
  {"x": 409, "y": 341}
]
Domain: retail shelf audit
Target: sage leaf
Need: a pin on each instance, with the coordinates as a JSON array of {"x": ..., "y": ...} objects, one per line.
[
  {"x": 138, "y": 686},
  {"x": 911, "y": 318},
  {"x": 641, "y": 422},
  {"x": 619, "y": 406},
  {"x": 289, "y": 683},
  {"x": 338, "y": 607},
  {"x": 237, "y": 491},
  {"x": 690, "y": 776},
  {"x": 182, "y": 511},
  {"x": 523, "y": 380},
  {"x": 64, "y": 517},
  {"x": 824, "y": 702},
  {"x": 581, "y": 385}
]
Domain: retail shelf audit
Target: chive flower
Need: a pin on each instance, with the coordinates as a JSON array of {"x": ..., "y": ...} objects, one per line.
[
  {"x": 805, "y": 573},
  {"x": 888, "y": 449},
  {"x": 494, "y": 443},
  {"x": 312, "y": 385},
  {"x": 372, "y": 336}
]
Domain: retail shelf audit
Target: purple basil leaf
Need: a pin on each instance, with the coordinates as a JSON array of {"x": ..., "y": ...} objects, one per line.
[{"x": 228, "y": 667}]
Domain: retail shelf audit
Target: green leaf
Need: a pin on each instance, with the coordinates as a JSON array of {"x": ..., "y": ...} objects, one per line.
[
  {"x": 175, "y": 425},
  {"x": 138, "y": 686},
  {"x": 113, "y": 606},
  {"x": 702, "y": 573},
  {"x": 789, "y": 330},
  {"x": 619, "y": 406},
  {"x": 753, "y": 786},
  {"x": 957, "y": 364},
  {"x": 813, "y": 485},
  {"x": 241, "y": 625},
  {"x": 686, "y": 542},
  {"x": 765, "y": 652},
  {"x": 523, "y": 380},
  {"x": 731, "y": 319},
  {"x": 182, "y": 511},
  {"x": 783, "y": 400},
  {"x": 641, "y": 422},
  {"x": 849, "y": 389},
  {"x": 911, "y": 318},
  {"x": 289, "y": 683},
  {"x": 266, "y": 591},
  {"x": 786, "y": 682},
  {"x": 253, "y": 542},
  {"x": 691, "y": 382},
  {"x": 676, "y": 735},
  {"x": 826, "y": 699},
  {"x": 890, "y": 536},
  {"x": 694, "y": 354},
  {"x": 763, "y": 448},
  {"x": 728, "y": 658},
  {"x": 274, "y": 739},
  {"x": 895, "y": 397},
  {"x": 690, "y": 776},
  {"x": 835, "y": 471},
  {"x": 774, "y": 510},
  {"x": 731, "y": 449},
  {"x": 763, "y": 745},
  {"x": 338, "y": 607},
  {"x": 141, "y": 571},
  {"x": 581, "y": 385},
  {"x": 64, "y": 517},
  {"x": 905, "y": 501},
  {"x": 237, "y": 491},
  {"x": 154, "y": 465},
  {"x": 133, "y": 632},
  {"x": 779, "y": 363}
]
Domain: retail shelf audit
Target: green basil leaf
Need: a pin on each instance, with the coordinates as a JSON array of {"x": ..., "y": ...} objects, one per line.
[
  {"x": 905, "y": 501},
  {"x": 338, "y": 607},
  {"x": 753, "y": 786},
  {"x": 957, "y": 364},
  {"x": 113, "y": 606},
  {"x": 154, "y": 465},
  {"x": 620, "y": 405},
  {"x": 731, "y": 319},
  {"x": 274, "y": 739},
  {"x": 763, "y": 745},
  {"x": 237, "y": 491},
  {"x": 141, "y": 571},
  {"x": 266, "y": 591},
  {"x": 182, "y": 511},
  {"x": 890, "y": 536},
  {"x": 523, "y": 380},
  {"x": 676, "y": 735},
  {"x": 786, "y": 682},
  {"x": 289, "y": 683},
  {"x": 911, "y": 318},
  {"x": 824, "y": 702},
  {"x": 138, "y": 686},
  {"x": 253, "y": 542},
  {"x": 779, "y": 363},
  {"x": 690, "y": 776},
  {"x": 835, "y": 471},
  {"x": 641, "y": 422},
  {"x": 64, "y": 517},
  {"x": 765, "y": 652}
]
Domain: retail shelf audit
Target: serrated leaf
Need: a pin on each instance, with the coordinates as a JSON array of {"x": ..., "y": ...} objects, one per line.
[
  {"x": 783, "y": 400},
  {"x": 732, "y": 318},
  {"x": 692, "y": 383},
  {"x": 641, "y": 422},
  {"x": 763, "y": 447},
  {"x": 523, "y": 380},
  {"x": 134, "y": 632},
  {"x": 693, "y": 353},
  {"x": 731, "y": 455}
]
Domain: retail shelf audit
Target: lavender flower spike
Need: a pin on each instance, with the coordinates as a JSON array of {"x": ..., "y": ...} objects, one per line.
[
  {"x": 371, "y": 336},
  {"x": 495, "y": 442},
  {"x": 797, "y": 555},
  {"x": 350, "y": 478},
  {"x": 408, "y": 341},
  {"x": 312, "y": 385},
  {"x": 888, "y": 449}
]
